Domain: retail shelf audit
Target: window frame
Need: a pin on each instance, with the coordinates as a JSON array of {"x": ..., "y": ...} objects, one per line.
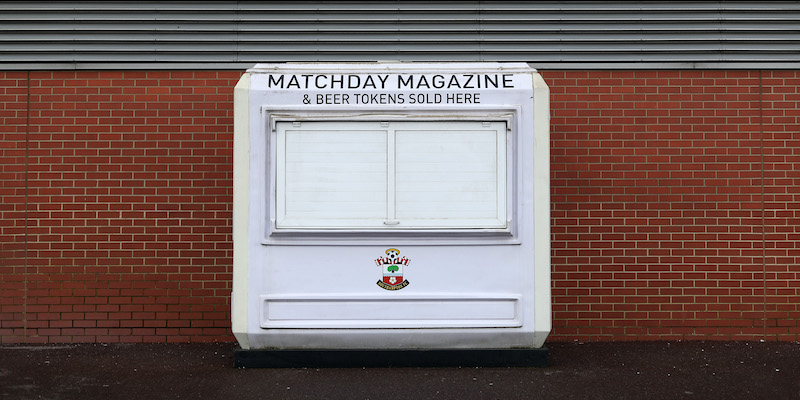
[{"x": 507, "y": 234}]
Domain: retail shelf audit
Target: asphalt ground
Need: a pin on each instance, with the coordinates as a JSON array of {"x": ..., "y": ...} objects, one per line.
[{"x": 596, "y": 370}]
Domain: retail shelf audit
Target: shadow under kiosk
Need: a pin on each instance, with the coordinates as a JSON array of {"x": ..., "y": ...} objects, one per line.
[{"x": 391, "y": 214}]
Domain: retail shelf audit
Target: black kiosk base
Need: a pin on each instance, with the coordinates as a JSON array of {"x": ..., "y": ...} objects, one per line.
[{"x": 534, "y": 357}]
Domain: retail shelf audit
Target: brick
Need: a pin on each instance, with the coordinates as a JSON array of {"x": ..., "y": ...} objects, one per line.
[
  {"x": 714, "y": 155},
  {"x": 656, "y": 197}
]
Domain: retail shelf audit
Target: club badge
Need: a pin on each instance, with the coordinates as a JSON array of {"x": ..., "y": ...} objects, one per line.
[{"x": 392, "y": 269}]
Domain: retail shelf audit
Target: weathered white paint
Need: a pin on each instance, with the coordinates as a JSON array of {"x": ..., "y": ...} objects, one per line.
[
  {"x": 241, "y": 210},
  {"x": 399, "y": 174},
  {"x": 301, "y": 284}
]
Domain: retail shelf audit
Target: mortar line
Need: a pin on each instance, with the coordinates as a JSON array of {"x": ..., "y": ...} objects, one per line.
[
  {"x": 763, "y": 195},
  {"x": 27, "y": 190}
]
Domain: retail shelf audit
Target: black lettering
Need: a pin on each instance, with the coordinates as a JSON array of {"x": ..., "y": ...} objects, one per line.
[
  {"x": 422, "y": 79},
  {"x": 350, "y": 81},
  {"x": 425, "y": 98},
  {"x": 333, "y": 98},
  {"x": 340, "y": 81},
  {"x": 293, "y": 82},
  {"x": 469, "y": 79},
  {"x": 383, "y": 80},
  {"x": 319, "y": 85},
  {"x": 438, "y": 81},
  {"x": 307, "y": 78},
  {"x": 405, "y": 82},
  {"x": 453, "y": 82},
  {"x": 272, "y": 81},
  {"x": 369, "y": 82},
  {"x": 488, "y": 81},
  {"x": 507, "y": 81},
  {"x": 463, "y": 98}
]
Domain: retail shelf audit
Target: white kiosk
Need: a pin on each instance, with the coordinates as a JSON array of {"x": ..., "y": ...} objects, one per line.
[{"x": 391, "y": 210}]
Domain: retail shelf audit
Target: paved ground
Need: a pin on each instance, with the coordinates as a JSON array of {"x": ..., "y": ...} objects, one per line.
[{"x": 622, "y": 370}]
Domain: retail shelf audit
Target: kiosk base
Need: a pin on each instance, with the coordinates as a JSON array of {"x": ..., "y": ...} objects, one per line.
[{"x": 534, "y": 357}]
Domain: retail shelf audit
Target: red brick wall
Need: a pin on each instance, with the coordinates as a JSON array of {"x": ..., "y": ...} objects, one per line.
[
  {"x": 127, "y": 215},
  {"x": 675, "y": 205}
]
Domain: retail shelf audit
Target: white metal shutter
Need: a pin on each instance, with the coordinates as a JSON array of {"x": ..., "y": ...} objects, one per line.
[
  {"x": 395, "y": 175},
  {"x": 331, "y": 175},
  {"x": 451, "y": 175}
]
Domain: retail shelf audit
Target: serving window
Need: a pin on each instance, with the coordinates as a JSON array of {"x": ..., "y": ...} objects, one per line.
[{"x": 391, "y": 175}]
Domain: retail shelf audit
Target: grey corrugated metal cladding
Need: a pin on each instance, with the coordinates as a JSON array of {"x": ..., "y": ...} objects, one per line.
[{"x": 566, "y": 33}]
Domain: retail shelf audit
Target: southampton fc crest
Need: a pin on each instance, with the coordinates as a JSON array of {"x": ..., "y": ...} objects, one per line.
[{"x": 392, "y": 269}]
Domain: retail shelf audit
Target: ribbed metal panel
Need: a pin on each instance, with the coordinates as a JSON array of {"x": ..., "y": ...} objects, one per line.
[{"x": 569, "y": 34}]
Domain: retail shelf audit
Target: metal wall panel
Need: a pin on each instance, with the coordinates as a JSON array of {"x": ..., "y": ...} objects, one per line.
[{"x": 701, "y": 34}]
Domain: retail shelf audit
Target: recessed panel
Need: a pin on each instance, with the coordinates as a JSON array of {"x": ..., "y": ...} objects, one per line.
[{"x": 439, "y": 312}]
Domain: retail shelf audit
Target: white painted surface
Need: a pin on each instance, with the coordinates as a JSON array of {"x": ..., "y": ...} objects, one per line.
[
  {"x": 241, "y": 212},
  {"x": 400, "y": 174},
  {"x": 311, "y": 233},
  {"x": 329, "y": 175},
  {"x": 422, "y": 311},
  {"x": 452, "y": 175}
]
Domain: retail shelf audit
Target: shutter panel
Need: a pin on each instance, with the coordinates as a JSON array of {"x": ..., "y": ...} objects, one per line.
[
  {"x": 398, "y": 175},
  {"x": 449, "y": 177},
  {"x": 331, "y": 177}
]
